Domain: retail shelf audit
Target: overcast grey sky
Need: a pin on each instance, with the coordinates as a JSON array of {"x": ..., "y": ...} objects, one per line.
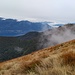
[{"x": 39, "y": 10}]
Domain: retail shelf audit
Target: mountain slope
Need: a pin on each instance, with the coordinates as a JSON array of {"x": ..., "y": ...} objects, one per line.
[
  {"x": 56, "y": 60},
  {"x": 12, "y": 47}
]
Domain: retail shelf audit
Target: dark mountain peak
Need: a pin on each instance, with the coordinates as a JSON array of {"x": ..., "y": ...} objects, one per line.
[
  {"x": 67, "y": 27},
  {"x": 30, "y": 35}
]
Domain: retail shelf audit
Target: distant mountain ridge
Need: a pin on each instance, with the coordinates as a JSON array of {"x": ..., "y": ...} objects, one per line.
[{"x": 12, "y": 27}]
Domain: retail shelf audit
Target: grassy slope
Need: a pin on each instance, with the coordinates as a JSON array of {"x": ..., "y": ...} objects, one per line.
[{"x": 57, "y": 60}]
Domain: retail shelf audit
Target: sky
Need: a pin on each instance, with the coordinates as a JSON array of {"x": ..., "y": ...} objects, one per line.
[{"x": 39, "y": 10}]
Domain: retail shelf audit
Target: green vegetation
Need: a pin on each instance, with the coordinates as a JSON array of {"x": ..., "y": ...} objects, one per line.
[{"x": 12, "y": 47}]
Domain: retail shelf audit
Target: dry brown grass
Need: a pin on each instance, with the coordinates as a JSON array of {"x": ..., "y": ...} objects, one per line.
[
  {"x": 69, "y": 57},
  {"x": 57, "y": 60}
]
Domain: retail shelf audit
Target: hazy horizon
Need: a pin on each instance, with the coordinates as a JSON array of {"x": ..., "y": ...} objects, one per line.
[{"x": 39, "y": 10}]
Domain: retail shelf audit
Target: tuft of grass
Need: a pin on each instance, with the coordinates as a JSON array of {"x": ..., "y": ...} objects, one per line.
[{"x": 69, "y": 58}]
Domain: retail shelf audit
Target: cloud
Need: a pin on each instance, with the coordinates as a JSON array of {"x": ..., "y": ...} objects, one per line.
[
  {"x": 57, "y": 36},
  {"x": 52, "y": 10},
  {"x": 18, "y": 49}
]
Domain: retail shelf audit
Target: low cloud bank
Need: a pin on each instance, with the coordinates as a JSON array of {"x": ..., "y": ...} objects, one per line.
[{"x": 57, "y": 36}]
